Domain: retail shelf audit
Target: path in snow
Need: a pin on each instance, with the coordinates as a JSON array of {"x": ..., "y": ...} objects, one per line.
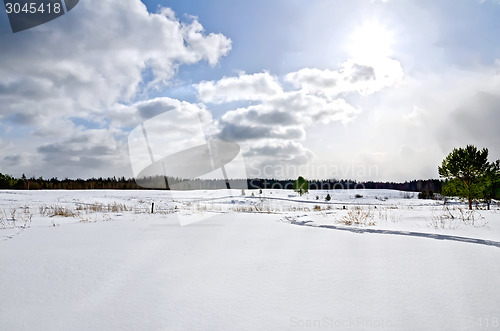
[{"x": 402, "y": 233}]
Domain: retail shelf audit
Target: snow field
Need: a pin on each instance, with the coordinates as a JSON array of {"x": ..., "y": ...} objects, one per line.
[{"x": 266, "y": 266}]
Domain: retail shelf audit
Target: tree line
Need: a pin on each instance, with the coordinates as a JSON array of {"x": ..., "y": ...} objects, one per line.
[
  {"x": 122, "y": 183},
  {"x": 40, "y": 183},
  {"x": 465, "y": 172}
]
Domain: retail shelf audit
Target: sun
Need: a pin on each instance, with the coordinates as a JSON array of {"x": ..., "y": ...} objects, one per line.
[{"x": 370, "y": 40}]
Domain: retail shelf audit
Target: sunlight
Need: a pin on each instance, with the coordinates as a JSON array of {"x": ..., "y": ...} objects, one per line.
[{"x": 371, "y": 39}]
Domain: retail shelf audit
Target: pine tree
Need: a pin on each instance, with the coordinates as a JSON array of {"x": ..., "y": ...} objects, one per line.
[
  {"x": 465, "y": 170},
  {"x": 301, "y": 186},
  {"x": 491, "y": 183}
]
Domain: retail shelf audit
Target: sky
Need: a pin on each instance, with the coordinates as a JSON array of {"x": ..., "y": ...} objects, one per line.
[{"x": 358, "y": 89}]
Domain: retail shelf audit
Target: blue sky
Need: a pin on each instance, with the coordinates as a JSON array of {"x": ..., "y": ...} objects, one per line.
[{"x": 362, "y": 89}]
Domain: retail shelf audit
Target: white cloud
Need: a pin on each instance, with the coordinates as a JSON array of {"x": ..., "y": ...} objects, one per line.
[
  {"x": 70, "y": 88},
  {"x": 281, "y": 123},
  {"x": 203, "y": 47},
  {"x": 418, "y": 117},
  {"x": 313, "y": 109},
  {"x": 280, "y": 118},
  {"x": 167, "y": 126},
  {"x": 277, "y": 118},
  {"x": 93, "y": 149},
  {"x": 259, "y": 86},
  {"x": 89, "y": 62},
  {"x": 360, "y": 76},
  {"x": 265, "y": 158},
  {"x": 88, "y": 65},
  {"x": 132, "y": 115},
  {"x": 409, "y": 130}
]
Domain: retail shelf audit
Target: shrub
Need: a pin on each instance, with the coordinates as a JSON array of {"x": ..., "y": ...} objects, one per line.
[{"x": 358, "y": 216}]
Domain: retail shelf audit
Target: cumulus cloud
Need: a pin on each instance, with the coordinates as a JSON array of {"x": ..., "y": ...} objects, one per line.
[
  {"x": 93, "y": 149},
  {"x": 144, "y": 110},
  {"x": 276, "y": 149},
  {"x": 88, "y": 66},
  {"x": 166, "y": 126},
  {"x": 279, "y": 118},
  {"x": 98, "y": 57},
  {"x": 259, "y": 86},
  {"x": 281, "y": 123},
  {"x": 267, "y": 158},
  {"x": 359, "y": 76},
  {"x": 239, "y": 132}
]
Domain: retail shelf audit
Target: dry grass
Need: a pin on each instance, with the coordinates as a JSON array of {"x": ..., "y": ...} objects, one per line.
[
  {"x": 262, "y": 207},
  {"x": 13, "y": 219},
  {"x": 86, "y": 209},
  {"x": 358, "y": 216},
  {"x": 454, "y": 217},
  {"x": 386, "y": 214},
  {"x": 56, "y": 210},
  {"x": 254, "y": 209},
  {"x": 102, "y": 208}
]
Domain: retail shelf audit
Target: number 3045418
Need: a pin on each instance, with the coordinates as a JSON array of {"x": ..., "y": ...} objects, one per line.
[{"x": 33, "y": 8}]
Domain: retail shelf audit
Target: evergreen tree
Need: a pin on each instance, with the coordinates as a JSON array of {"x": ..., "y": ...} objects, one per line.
[
  {"x": 492, "y": 183},
  {"x": 301, "y": 186},
  {"x": 465, "y": 170}
]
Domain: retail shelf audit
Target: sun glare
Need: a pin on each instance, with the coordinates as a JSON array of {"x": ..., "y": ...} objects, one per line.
[{"x": 371, "y": 39}]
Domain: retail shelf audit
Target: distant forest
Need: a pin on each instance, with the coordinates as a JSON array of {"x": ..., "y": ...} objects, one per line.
[{"x": 113, "y": 183}]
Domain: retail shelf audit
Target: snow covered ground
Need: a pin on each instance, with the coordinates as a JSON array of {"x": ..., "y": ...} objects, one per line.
[{"x": 220, "y": 260}]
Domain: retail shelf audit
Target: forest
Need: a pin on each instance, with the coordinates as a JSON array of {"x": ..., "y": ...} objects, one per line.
[{"x": 122, "y": 183}]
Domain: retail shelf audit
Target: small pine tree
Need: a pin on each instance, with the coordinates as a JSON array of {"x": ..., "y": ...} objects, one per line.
[
  {"x": 328, "y": 197},
  {"x": 301, "y": 186}
]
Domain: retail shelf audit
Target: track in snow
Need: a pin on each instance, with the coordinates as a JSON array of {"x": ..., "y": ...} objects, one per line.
[{"x": 403, "y": 233}]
